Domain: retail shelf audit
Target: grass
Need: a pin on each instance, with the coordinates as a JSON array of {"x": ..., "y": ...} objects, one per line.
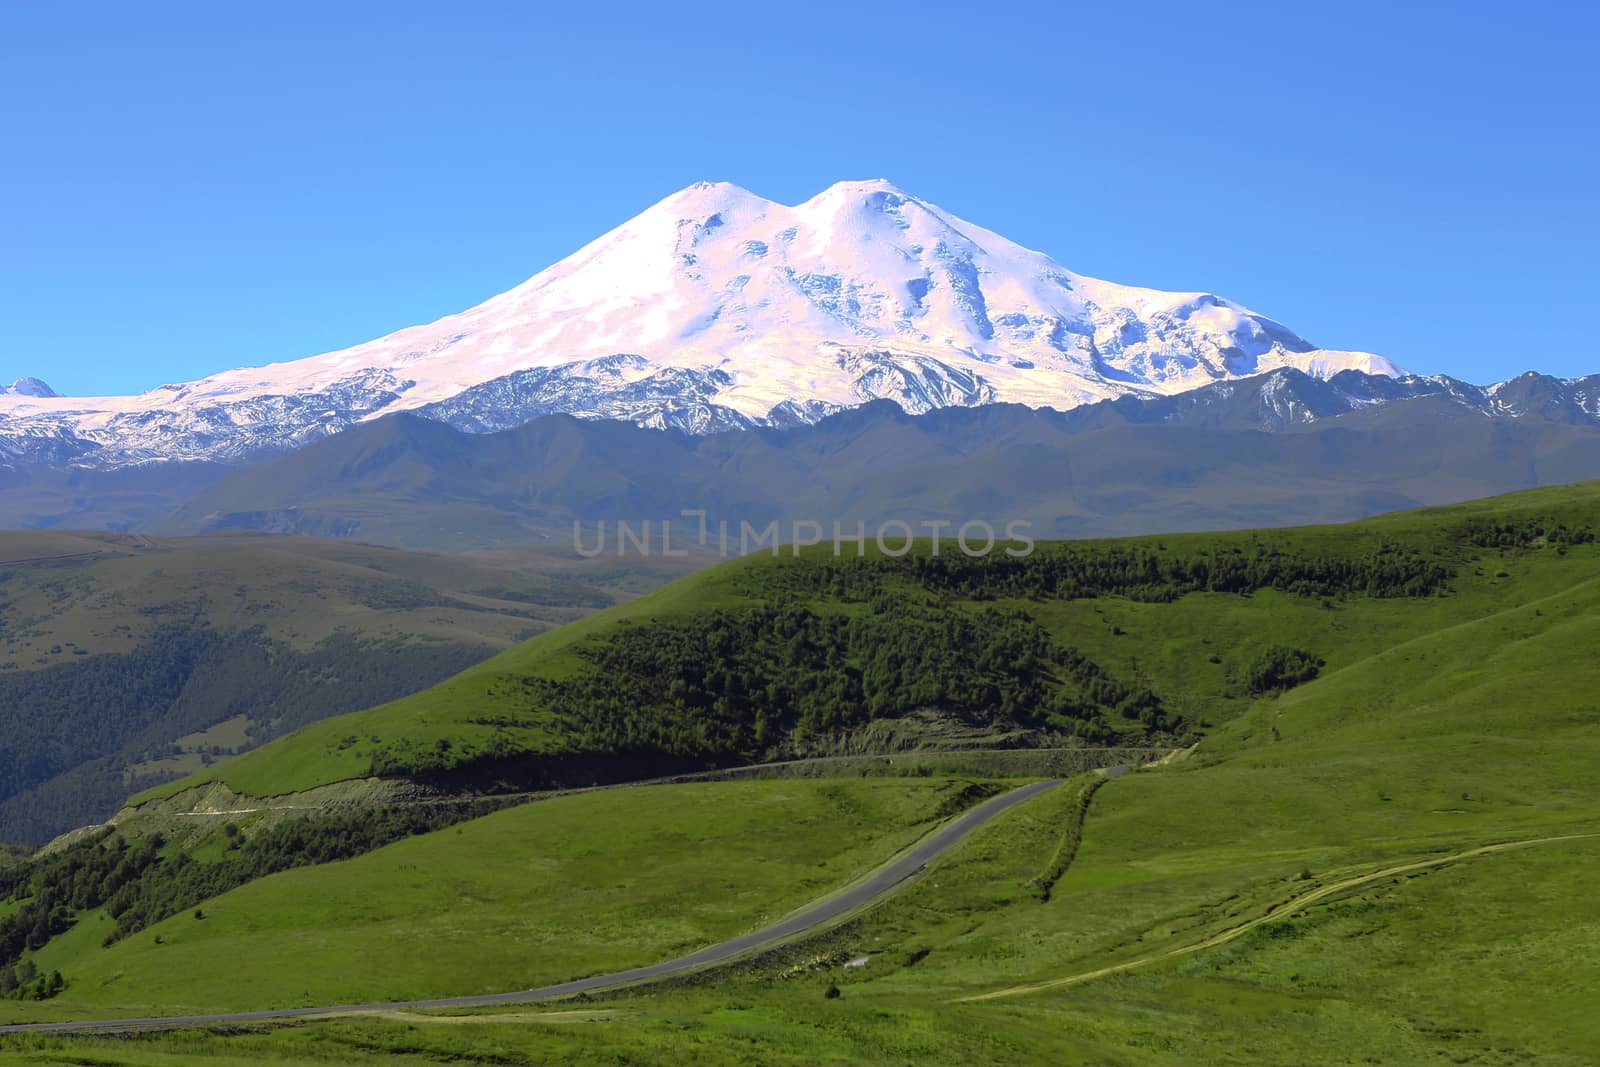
[
  {"x": 1409, "y": 973},
  {"x": 1438, "y": 727},
  {"x": 540, "y": 893}
]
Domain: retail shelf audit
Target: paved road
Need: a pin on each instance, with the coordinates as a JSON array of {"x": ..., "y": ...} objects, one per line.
[
  {"x": 809, "y": 920},
  {"x": 50, "y": 559}
]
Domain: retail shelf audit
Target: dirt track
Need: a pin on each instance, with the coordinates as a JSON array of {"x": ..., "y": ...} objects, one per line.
[{"x": 1280, "y": 911}]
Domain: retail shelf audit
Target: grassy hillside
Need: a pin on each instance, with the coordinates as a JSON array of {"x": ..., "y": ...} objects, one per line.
[
  {"x": 1389, "y": 862},
  {"x": 1447, "y": 739},
  {"x": 127, "y": 659},
  {"x": 541, "y": 892},
  {"x": 1112, "y": 640}
]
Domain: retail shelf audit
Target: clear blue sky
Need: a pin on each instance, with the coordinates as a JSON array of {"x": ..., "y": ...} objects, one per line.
[{"x": 188, "y": 188}]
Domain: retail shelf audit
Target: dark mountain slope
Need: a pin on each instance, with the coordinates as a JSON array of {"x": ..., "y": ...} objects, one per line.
[
  {"x": 127, "y": 660},
  {"x": 1280, "y": 449}
]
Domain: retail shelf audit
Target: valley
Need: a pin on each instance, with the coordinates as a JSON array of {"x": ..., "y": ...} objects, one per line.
[{"x": 128, "y": 660}]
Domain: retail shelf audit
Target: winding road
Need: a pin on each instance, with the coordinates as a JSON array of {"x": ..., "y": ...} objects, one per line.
[{"x": 808, "y": 920}]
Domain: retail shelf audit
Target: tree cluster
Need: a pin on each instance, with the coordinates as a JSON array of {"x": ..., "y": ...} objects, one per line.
[
  {"x": 750, "y": 682},
  {"x": 1137, "y": 571},
  {"x": 24, "y": 982},
  {"x": 1280, "y": 667},
  {"x": 1522, "y": 533}
]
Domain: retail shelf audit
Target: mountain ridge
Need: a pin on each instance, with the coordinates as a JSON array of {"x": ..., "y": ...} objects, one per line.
[{"x": 1282, "y": 448}]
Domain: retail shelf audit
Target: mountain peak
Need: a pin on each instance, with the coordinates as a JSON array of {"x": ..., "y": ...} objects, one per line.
[
  {"x": 865, "y": 185},
  {"x": 28, "y": 387},
  {"x": 873, "y": 194},
  {"x": 706, "y": 196}
]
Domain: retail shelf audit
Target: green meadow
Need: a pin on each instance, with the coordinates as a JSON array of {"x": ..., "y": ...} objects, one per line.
[{"x": 536, "y": 894}]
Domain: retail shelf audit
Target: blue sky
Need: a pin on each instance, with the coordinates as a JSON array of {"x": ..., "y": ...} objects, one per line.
[{"x": 189, "y": 188}]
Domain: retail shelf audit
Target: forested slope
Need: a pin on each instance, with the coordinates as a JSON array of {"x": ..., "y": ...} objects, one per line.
[{"x": 126, "y": 660}]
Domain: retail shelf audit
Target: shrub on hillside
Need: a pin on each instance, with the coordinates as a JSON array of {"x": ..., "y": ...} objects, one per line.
[{"x": 1281, "y": 667}]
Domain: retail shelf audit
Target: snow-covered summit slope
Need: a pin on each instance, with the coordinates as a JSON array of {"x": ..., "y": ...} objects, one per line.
[
  {"x": 27, "y": 387},
  {"x": 717, "y": 308}
]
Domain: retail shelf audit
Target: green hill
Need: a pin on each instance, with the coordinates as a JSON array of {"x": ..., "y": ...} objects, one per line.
[
  {"x": 496, "y": 903},
  {"x": 1380, "y": 849},
  {"x": 1101, "y": 641}
]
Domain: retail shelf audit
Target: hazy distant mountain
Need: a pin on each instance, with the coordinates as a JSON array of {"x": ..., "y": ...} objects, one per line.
[
  {"x": 714, "y": 309},
  {"x": 1278, "y": 449}
]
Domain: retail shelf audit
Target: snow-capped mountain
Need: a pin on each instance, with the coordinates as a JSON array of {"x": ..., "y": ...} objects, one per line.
[
  {"x": 27, "y": 387},
  {"x": 716, "y": 309},
  {"x": 1286, "y": 399}
]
